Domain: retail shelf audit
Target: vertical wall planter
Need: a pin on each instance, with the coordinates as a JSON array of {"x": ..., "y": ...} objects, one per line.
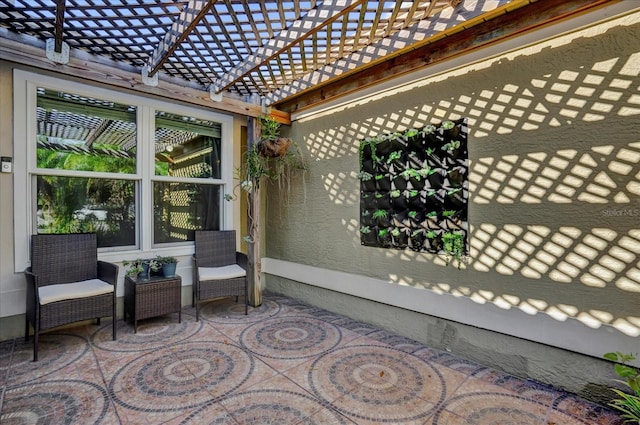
[{"x": 414, "y": 189}]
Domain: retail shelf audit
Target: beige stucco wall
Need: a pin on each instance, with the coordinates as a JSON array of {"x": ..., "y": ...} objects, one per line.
[{"x": 554, "y": 211}]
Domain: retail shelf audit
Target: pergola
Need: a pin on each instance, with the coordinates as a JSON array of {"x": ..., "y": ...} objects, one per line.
[{"x": 246, "y": 56}]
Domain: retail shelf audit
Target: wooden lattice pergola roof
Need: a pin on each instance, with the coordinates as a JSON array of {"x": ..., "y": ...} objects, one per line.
[{"x": 287, "y": 55}]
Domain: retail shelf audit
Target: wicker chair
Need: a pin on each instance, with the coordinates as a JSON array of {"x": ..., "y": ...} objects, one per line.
[
  {"x": 66, "y": 283},
  {"x": 219, "y": 271}
]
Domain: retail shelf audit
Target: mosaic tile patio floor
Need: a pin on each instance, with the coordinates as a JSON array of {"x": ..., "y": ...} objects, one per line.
[{"x": 284, "y": 363}]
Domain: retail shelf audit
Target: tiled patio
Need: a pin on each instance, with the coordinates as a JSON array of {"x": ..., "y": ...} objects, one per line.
[{"x": 285, "y": 363}]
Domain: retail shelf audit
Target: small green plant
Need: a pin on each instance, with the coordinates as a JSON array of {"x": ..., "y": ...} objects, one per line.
[
  {"x": 365, "y": 230},
  {"x": 395, "y": 232},
  {"x": 135, "y": 267},
  {"x": 411, "y": 173},
  {"x": 628, "y": 404},
  {"x": 427, "y": 171},
  {"x": 382, "y": 233},
  {"x": 365, "y": 176},
  {"x": 431, "y": 192},
  {"x": 413, "y": 193},
  {"x": 371, "y": 142},
  {"x": 453, "y": 246},
  {"x": 432, "y": 214},
  {"x": 269, "y": 128},
  {"x": 378, "y": 195},
  {"x": 428, "y": 129},
  {"x": 393, "y": 156},
  {"x": 410, "y": 133},
  {"x": 448, "y": 125},
  {"x": 448, "y": 213},
  {"x": 431, "y": 234},
  {"x": 365, "y": 213},
  {"x": 412, "y": 214},
  {"x": 166, "y": 259},
  {"x": 379, "y": 214},
  {"x": 454, "y": 190},
  {"x": 395, "y": 193},
  {"x": 430, "y": 151},
  {"x": 452, "y": 145},
  {"x": 417, "y": 232}
]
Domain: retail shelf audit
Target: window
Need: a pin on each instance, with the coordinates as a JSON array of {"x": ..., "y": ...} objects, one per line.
[{"x": 142, "y": 174}]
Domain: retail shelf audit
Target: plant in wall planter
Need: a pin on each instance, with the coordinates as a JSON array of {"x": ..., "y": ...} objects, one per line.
[
  {"x": 383, "y": 182},
  {"x": 382, "y": 218},
  {"x": 368, "y": 236},
  {"x": 399, "y": 237},
  {"x": 453, "y": 245},
  {"x": 416, "y": 217},
  {"x": 456, "y": 196},
  {"x": 384, "y": 237},
  {"x": 401, "y": 219},
  {"x": 367, "y": 181},
  {"x": 365, "y": 218},
  {"x": 435, "y": 177},
  {"x": 431, "y": 221},
  {"x": 417, "y": 239},
  {"x": 398, "y": 200},
  {"x": 433, "y": 242},
  {"x": 397, "y": 160},
  {"x": 368, "y": 200},
  {"x": 414, "y": 199}
]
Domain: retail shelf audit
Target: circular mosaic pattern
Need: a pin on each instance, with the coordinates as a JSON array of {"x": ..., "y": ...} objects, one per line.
[
  {"x": 266, "y": 407},
  {"x": 291, "y": 337},
  {"x": 55, "y": 402},
  {"x": 152, "y": 334},
  {"x": 55, "y": 351},
  {"x": 182, "y": 376},
  {"x": 488, "y": 408},
  {"x": 228, "y": 311},
  {"x": 377, "y": 383}
]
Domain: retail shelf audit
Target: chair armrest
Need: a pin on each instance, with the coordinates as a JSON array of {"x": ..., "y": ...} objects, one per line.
[
  {"x": 108, "y": 272},
  {"x": 241, "y": 259},
  {"x": 32, "y": 282}
]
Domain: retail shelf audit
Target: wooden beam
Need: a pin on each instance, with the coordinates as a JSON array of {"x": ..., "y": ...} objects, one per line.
[
  {"x": 59, "y": 29},
  {"x": 301, "y": 29},
  {"x": 500, "y": 27},
  {"x": 29, "y": 51},
  {"x": 381, "y": 50},
  {"x": 180, "y": 29}
]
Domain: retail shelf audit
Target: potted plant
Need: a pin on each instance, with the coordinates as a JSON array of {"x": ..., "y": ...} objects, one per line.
[
  {"x": 168, "y": 265},
  {"x": 367, "y": 237},
  {"x": 384, "y": 237},
  {"x": 399, "y": 237},
  {"x": 140, "y": 268}
]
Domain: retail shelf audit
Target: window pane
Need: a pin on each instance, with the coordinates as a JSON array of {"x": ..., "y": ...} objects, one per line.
[
  {"x": 85, "y": 134},
  {"x": 179, "y": 209},
  {"x": 76, "y": 205},
  {"x": 187, "y": 146}
]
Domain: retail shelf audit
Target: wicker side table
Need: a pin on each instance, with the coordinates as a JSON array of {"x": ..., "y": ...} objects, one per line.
[{"x": 150, "y": 298}]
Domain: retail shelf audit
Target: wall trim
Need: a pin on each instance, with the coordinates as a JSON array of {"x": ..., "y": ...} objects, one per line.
[{"x": 570, "y": 334}]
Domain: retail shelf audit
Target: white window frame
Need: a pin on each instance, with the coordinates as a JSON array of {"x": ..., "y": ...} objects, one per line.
[{"x": 25, "y": 168}]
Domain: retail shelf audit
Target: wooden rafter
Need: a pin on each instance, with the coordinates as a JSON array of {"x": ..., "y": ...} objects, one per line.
[
  {"x": 299, "y": 30},
  {"x": 59, "y": 31},
  {"x": 402, "y": 41},
  {"x": 501, "y": 26},
  {"x": 180, "y": 29}
]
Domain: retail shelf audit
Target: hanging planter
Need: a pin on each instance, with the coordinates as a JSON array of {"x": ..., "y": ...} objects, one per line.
[
  {"x": 399, "y": 182},
  {"x": 383, "y": 200},
  {"x": 433, "y": 242},
  {"x": 401, "y": 219},
  {"x": 367, "y": 182},
  {"x": 366, "y": 218},
  {"x": 414, "y": 199},
  {"x": 455, "y": 197},
  {"x": 368, "y": 200}
]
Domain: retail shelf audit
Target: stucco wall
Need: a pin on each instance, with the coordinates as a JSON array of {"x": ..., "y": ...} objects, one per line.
[{"x": 554, "y": 208}]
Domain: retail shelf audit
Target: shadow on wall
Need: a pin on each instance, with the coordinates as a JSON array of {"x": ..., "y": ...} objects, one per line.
[{"x": 554, "y": 178}]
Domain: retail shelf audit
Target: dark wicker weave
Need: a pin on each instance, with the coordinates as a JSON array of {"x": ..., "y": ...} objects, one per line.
[
  {"x": 66, "y": 258},
  {"x": 151, "y": 298},
  {"x": 217, "y": 248}
]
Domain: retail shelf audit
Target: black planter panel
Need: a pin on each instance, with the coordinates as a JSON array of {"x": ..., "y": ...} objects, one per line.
[{"x": 418, "y": 190}]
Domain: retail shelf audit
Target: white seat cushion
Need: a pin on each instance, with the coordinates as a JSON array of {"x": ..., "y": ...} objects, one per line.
[
  {"x": 67, "y": 291},
  {"x": 219, "y": 273}
]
